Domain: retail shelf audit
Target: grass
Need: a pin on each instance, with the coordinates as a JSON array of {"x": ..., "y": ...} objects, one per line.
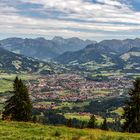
[
  {"x": 12, "y": 76},
  {"x": 92, "y": 65},
  {"x": 126, "y": 56},
  {"x": 72, "y": 104},
  {"x": 86, "y": 117},
  {"x": 6, "y": 80},
  {"x": 118, "y": 111},
  {"x": 102, "y": 91},
  {"x": 29, "y": 131},
  {"x": 77, "y": 116},
  {"x": 5, "y": 85},
  {"x": 105, "y": 73}
]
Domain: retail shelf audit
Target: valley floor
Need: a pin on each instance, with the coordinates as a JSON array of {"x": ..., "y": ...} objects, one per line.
[{"x": 29, "y": 131}]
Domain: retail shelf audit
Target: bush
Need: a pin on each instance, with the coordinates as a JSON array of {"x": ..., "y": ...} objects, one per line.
[{"x": 57, "y": 134}]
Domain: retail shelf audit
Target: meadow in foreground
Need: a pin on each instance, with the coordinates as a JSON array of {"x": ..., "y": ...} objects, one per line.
[{"x": 30, "y": 131}]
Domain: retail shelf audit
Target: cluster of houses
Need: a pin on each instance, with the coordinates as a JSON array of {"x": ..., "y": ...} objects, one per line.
[{"x": 72, "y": 88}]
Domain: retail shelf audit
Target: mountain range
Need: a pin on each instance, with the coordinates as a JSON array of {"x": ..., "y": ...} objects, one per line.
[
  {"x": 106, "y": 55},
  {"x": 17, "y": 54},
  {"x": 43, "y": 49},
  {"x": 16, "y": 63}
]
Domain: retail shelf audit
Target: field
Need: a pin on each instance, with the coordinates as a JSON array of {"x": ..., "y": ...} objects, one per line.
[
  {"x": 86, "y": 117},
  {"x": 29, "y": 131},
  {"x": 119, "y": 111},
  {"x": 6, "y": 80}
]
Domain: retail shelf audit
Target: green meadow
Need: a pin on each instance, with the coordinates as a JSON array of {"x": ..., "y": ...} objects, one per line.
[
  {"x": 30, "y": 131},
  {"x": 6, "y": 80},
  {"x": 86, "y": 117}
]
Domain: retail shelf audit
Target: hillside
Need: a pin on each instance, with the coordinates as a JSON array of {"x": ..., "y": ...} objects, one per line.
[
  {"x": 28, "y": 131},
  {"x": 14, "y": 63},
  {"x": 105, "y": 56},
  {"x": 108, "y": 55},
  {"x": 121, "y": 46},
  {"x": 43, "y": 49},
  {"x": 90, "y": 53}
]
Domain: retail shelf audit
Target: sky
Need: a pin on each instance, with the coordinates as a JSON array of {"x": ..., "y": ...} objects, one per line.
[{"x": 86, "y": 19}]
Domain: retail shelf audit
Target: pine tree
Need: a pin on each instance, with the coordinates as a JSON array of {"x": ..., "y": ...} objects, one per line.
[
  {"x": 92, "y": 122},
  {"x": 34, "y": 119},
  {"x": 69, "y": 123},
  {"x": 18, "y": 107},
  {"x": 132, "y": 109},
  {"x": 104, "y": 125}
]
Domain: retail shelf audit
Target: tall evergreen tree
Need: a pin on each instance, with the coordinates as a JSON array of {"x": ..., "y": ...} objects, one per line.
[
  {"x": 69, "y": 123},
  {"x": 18, "y": 107},
  {"x": 104, "y": 125},
  {"x": 132, "y": 109},
  {"x": 92, "y": 122}
]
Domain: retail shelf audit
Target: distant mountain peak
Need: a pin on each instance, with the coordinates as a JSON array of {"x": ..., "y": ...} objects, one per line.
[
  {"x": 15, "y": 63},
  {"x": 40, "y": 38},
  {"x": 42, "y": 48},
  {"x": 58, "y": 38}
]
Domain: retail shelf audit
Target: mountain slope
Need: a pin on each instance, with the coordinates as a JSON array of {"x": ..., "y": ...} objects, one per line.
[
  {"x": 131, "y": 60},
  {"x": 121, "y": 46},
  {"x": 14, "y": 63},
  {"x": 41, "y": 48},
  {"x": 70, "y": 44},
  {"x": 96, "y": 51},
  {"x": 93, "y": 52},
  {"x": 105, "y": 56},
  {"x": 36, "y": 48}
]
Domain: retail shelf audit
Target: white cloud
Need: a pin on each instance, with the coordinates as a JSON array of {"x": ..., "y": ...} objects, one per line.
[
  {"x": 110, "y": 2},
  {"x": 96, "y": 18},
  {"x": 110, "y": 11}
]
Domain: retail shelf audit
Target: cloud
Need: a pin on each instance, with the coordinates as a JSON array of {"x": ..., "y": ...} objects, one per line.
[
  {"x": 82, "y": 18},
  {"x": 110, "y": 2}
]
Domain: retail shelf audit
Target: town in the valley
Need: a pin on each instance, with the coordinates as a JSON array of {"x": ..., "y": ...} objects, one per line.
[{"x": 45, "y": 90}]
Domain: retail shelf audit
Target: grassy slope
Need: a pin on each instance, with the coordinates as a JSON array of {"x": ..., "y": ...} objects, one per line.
[
  {"x": 6, "y": 80},
  {"x": 85, "y": 118},
  {"x": 28, "y": 131}
]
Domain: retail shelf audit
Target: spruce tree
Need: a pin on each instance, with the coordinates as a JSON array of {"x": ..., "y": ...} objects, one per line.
[
  {"x": 69, "y": 123},
  {"x": 104, "y": 125},
  {"x": 92, "y": 122},
  {"x": 34, "y": 119},
  {"x": 132, "y": 109},
  {"x": 18, "y": 107}
]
